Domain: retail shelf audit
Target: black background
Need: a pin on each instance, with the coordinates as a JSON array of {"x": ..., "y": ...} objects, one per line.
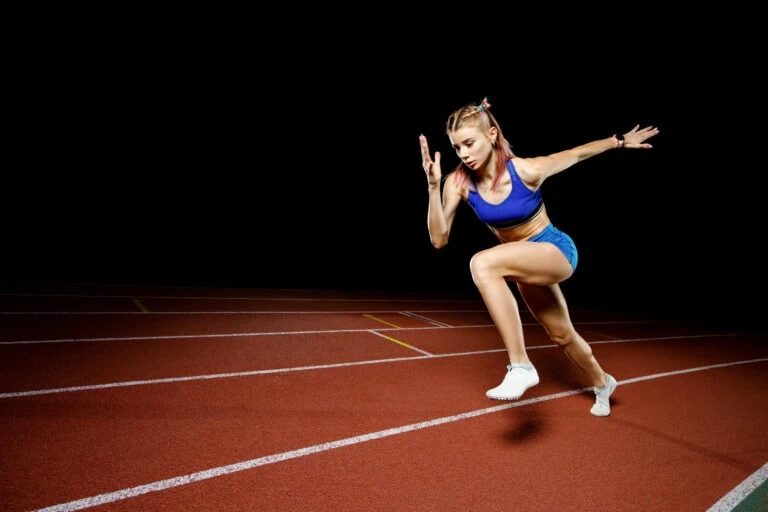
[{"x": 244, "y": 161}]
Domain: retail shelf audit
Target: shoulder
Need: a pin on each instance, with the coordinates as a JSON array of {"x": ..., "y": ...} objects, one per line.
[
  {"x": 457, "y": 184},
  {"x": 528, "y": 169}
]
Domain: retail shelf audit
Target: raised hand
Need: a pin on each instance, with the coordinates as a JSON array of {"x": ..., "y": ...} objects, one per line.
[
  {"x": 431, "y": 167},
  {"x": 636, "y": 138}
]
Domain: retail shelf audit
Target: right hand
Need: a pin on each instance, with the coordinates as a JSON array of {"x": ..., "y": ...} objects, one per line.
[{"x": 431, "y": 167}]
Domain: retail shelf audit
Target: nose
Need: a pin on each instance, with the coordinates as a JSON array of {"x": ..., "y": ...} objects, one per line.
[{"x": 463, "y": 152}]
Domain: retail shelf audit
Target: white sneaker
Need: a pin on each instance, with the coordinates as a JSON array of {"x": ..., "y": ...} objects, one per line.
[
  {"x": 516, "y": 381},
  {"x": 602, "y": 405}
]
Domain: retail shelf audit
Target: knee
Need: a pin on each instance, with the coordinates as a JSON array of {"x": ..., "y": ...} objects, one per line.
[
  {"x": 482, "y": 269},
  {"x": 562, "y": 336}
]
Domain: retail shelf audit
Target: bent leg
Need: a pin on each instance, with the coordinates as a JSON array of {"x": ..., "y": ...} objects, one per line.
[
  {"x": 524, "y": 262},
  {"x": 548, "y": 306}
]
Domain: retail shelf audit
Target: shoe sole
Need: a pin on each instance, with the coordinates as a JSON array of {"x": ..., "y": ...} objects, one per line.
[
  {"x": 498, "y": 397},
  {"x": 503, "y": 397}
]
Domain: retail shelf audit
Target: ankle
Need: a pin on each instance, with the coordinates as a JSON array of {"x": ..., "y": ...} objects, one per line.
[{"x": 604, "y": 381}]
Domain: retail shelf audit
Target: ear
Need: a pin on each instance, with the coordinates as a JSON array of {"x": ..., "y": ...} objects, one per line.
[{"x": 492, "y": 134}]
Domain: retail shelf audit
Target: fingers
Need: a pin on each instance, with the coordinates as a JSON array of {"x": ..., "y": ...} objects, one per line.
[
  {"x": 424, "y": 145},
  {"x": 637, "y": 129},
  {"x": 649, "y": 132},
  {"x": 424, "y": 150},
  {"x": 637, "y": 136},
  {"x": 647, "y": 129},
  {"x": 437, "y": 157}
]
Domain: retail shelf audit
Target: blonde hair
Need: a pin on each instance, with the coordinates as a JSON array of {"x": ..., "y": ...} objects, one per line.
[{"x": 481, "y": 117}]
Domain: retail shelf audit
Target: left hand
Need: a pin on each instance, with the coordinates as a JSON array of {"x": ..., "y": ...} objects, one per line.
[{"x": 635, "y": 138}]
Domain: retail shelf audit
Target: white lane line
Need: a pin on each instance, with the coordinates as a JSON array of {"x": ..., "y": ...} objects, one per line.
[
  {"x": 741, "y": 491},
  {"x": 425, "y": 319},
  {"x": 50, "y": 391},
  {"x": 234, "y": 374},
  {"x": 231, "y": 335},
  {"x": 314, "y": 331},
  {"x": 178, "y": 481}
]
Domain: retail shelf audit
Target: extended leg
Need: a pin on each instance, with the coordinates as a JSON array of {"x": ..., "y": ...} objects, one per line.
[{"x": 548, "y": 305}]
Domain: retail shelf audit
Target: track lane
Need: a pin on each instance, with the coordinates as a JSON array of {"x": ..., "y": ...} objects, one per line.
[
  {"x": 74, "y": 327},
  {"x": 58, "y": 365},
  {"x": 163, "y": 431},
  {"x": 28, "y": 367},
  {"x": 654, "y": 456}
]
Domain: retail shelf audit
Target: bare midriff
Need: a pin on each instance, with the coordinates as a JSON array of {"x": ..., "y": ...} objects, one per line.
[{"x": 524, "y": 231}]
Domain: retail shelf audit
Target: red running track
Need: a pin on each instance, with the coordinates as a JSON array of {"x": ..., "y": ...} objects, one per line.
[{"x": 204, "y": 400}]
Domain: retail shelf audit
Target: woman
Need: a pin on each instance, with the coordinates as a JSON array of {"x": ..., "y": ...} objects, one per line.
[{"x": 504, "y": 190}]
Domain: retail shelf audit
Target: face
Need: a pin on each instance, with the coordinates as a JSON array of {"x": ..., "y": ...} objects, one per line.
[{"x": 473, "y": 146}]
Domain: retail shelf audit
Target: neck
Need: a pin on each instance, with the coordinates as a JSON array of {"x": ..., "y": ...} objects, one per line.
[{"x": 488, "y": 171}]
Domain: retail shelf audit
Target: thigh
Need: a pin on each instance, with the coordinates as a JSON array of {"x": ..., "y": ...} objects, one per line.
[{"x": 525, "y": 262}]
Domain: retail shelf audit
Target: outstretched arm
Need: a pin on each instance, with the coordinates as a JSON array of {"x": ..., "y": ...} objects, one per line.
[
  {"x": 441, "y": 211},
  {"x": 540, "y": 168}
]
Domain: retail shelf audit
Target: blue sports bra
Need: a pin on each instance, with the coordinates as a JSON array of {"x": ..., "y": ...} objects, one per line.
[{"x": 520, "y": 206}]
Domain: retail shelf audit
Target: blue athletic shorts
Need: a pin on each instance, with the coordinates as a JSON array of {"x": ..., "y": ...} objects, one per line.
[{"x": 560, "y": 240}]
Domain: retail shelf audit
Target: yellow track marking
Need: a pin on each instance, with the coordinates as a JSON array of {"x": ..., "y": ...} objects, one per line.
[
  {"x": 402, "y": 343},
  {"x": 382, "y": 321}
]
